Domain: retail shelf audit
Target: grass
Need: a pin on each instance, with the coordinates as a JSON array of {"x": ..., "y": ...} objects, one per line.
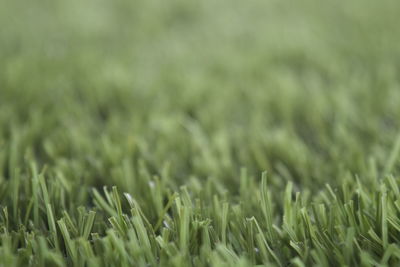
[{"x": 209, "y": 133}]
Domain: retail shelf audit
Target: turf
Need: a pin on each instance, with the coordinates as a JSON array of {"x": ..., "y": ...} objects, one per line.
[{"x": 199, "y": 133}]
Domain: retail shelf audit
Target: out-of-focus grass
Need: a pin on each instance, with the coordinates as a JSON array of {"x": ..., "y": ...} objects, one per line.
[{"x": 151, "y": 96}]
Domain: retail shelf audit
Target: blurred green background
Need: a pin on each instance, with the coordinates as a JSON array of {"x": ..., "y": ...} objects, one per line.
[{"x": 307, "y": 90}]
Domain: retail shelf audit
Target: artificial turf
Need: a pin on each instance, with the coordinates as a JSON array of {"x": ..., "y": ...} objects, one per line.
[{"x": 199, "y": 133}]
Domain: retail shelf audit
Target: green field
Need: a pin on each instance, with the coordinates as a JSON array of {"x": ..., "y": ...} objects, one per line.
[{"x": 199, "y": 133}]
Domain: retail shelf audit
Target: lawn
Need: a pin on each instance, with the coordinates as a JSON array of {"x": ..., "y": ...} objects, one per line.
[{"x": 199, "y": 133}]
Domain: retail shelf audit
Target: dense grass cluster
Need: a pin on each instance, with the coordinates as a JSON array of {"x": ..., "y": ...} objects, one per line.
[{"x": 199, "y": 133}]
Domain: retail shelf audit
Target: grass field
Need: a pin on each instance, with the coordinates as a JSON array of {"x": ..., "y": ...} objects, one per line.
[{"x": 199, "y": 133}]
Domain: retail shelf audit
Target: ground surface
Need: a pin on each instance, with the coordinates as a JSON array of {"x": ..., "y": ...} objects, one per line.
[{"x": 137, "y": 133}]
